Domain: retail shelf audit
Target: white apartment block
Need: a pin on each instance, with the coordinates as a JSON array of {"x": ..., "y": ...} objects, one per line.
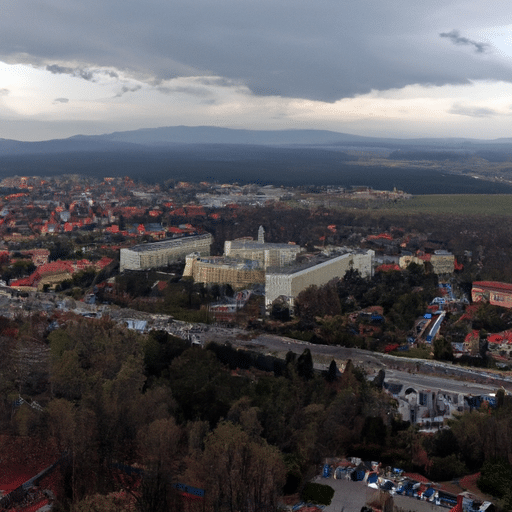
[
  {"x": 289, "y": 282},
  {"x": 160, "y": 254}
]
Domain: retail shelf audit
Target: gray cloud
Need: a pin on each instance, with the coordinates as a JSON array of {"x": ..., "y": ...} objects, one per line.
[
  {"x": 218, "y": 81},
  {"x": 86, "y": 74},
  {"x": 61, "y": 100},
  {"x": 325, "y": 50},
  {"x": 4, "y": 92},
  {"x": 63, "y": 70},
  {"x": 456, "y": 38},
  {"x": 57, "y": 70},
  {"x": 465, "y": 110},
  {"x": 191, "y": 90},
  {"x": 126, "y": 89}
]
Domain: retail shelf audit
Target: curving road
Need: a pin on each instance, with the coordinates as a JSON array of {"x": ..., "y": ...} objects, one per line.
[{"x": 425, "y": 374}]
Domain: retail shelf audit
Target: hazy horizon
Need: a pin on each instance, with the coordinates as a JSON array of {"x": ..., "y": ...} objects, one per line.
[{"x": 261, "y": 130}]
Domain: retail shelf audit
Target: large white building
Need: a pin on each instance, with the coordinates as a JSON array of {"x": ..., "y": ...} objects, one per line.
[
  {"x": 267, "y": 254},
  {"x": 160, "y": 254},
  {"x": 288, "y": 282},
  {"x": 221, "y": 270}
]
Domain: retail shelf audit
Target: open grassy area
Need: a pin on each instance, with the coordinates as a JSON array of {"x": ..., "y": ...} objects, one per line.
[{"x": 475, "y": 204}]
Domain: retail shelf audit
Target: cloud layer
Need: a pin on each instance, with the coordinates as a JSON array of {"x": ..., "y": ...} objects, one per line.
[{"x": 326, "y": 50}]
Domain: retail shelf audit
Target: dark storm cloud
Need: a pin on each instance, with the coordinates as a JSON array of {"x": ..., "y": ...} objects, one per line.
[
  {"x": 456, "y": 38},
  {"x": 126, "y": 89},
  {"x": 61, "y": 100},
  {"x": 323, "y": 50},
  {"x": 464, "y": 110}
]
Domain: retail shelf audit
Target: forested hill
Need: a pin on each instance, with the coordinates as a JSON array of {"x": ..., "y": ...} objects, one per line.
[{"x": 247, "y": 164}]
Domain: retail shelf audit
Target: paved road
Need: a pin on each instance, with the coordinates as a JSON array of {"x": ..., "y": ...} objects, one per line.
[
  {"x": 423, "y": 381},
  {"x": 414, "y": 373}
]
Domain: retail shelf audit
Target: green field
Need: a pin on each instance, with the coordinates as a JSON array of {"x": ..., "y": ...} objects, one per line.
[{"x": 466, "y": 204}]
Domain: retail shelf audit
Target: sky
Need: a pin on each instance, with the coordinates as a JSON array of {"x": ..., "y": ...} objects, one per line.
[{"x": 415, "y": 68}]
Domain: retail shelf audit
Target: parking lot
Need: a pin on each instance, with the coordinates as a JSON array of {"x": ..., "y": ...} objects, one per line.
[{"x": 351, "y": 496}]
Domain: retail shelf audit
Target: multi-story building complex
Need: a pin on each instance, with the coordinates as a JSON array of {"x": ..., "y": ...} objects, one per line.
[
  {"x": 159, "y": 254},
  {"x": 435, "y": 405},
  {"x": 494, "y": 292},
  {"x": 288, "y": 282},
  {"x": 268, "y": 255},
  {"x": 443, "y": 262},
  {"x": 223, "y": 271}
]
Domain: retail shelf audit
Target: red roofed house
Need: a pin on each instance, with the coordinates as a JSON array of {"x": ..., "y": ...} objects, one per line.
[
  {"x": 112, "y": 229},
  {"x": 50, "y": 273},
  {"x": 176, "y": 231},
  {"x": 82, "y": 264},
  {"x": 472, "y": 342},
  {"x": 103, "y": 262},
  {"x": 494, "y": 292},
  {"x": 500, "y": 344}
]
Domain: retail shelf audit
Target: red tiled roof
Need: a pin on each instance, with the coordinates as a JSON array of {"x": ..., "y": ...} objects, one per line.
[
  {"x": 103, "y": 262},
  {"x": 502, "y": 337},
  {"x": 383, "y": 236},
  {"x": 25, "y": 281},
  {"x": 387, "y": 268},
  {"x": 494, "y": 285},
  {"x": 55, "y": 267},
  {"x": 417, "y": 477},
  {"x": 161, "y": 285},
  {"x": 458, "y": 507},
  {"x": 495, "y": 338},
  {"x": 473, "y": 335}
]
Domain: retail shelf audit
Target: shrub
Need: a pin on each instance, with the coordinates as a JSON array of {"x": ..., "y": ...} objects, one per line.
[{"x": 317, "y": 493}]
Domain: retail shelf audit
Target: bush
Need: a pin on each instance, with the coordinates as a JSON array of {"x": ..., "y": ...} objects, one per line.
[
  {"x": 495, "y": 477},
  {"x": 446, "y": 468},
  {"x": 317, "y": 493}
]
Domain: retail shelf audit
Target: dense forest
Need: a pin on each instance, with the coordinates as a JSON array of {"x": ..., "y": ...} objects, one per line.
[
  {"x": 249, "y": 164},
  {"x": 243, "y": 429},
  {"x": 183, "y": 415}
]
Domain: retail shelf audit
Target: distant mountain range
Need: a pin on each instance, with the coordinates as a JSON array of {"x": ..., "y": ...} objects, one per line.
[{"x": 170, "y": 137}]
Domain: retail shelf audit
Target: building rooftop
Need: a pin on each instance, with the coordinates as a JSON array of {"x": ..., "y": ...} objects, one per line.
[
  {"x": 255, "y": 245},
  {"x": 173, "y": 242},
  {"x": 312, "y": 262},
  {"x": 494, "y": 285}
]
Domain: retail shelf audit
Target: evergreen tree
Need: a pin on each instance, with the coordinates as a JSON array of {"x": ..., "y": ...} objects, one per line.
[
  {"x": 332, "y": 372},
  {"x": 305, "y": 365}
]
